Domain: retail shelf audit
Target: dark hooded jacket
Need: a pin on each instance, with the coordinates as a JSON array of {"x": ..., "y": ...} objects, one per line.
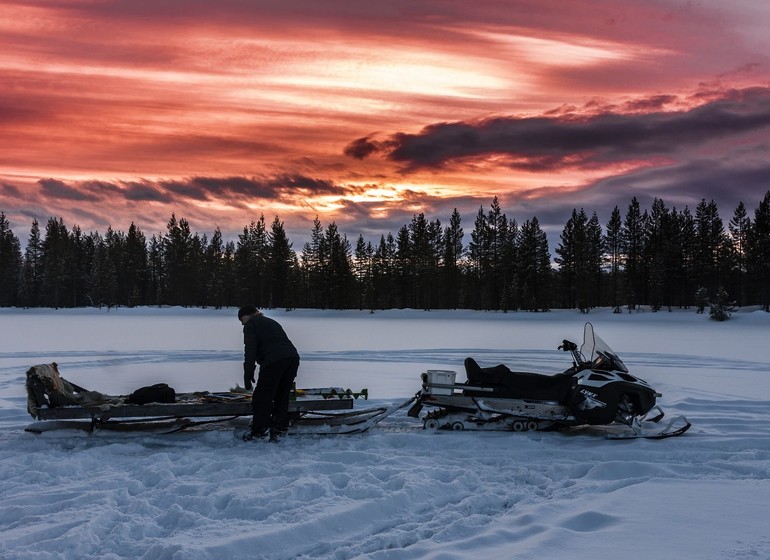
[{"x": 265, "y": 342}]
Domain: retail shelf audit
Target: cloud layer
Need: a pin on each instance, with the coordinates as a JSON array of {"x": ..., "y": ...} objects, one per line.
[{"x": 366, "y": 113}]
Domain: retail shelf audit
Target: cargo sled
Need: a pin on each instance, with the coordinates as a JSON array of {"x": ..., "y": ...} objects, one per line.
[
  {"x": 597, "y": 390},
  {"x": 57, "y": 404}
]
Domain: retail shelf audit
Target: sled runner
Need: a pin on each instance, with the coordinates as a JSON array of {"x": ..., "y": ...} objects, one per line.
[
  {"x": 60, "y": 404},
  {"x": 597, "y": 390}
]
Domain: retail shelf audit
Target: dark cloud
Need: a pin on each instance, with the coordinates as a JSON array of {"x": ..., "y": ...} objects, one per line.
[
  {"x": 267, "y": 188},
  {"x": 53, "y": 188},
  {"x": 202, "y": 189},
  {"x": 9, "y": 189},
  {"x": 553, "y": 143},
  {"x": 145, "y": 192},
  {"x": 361, "y": 148}
]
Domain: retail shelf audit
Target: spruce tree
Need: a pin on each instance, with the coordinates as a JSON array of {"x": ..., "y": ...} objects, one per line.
[
  {"x": 633, "y": 247},
  {"x": 56, "y": 264},
  {"x": 452, "y": 255},
  {"x": 280, "y": 265},
  {"x": 613, "y": 249},
  {"x": 535, "y": 269},
  {"x": 740, "y": 233},
  {"x": 759, "y": 259},
  {"x": 10, "y": 264}
]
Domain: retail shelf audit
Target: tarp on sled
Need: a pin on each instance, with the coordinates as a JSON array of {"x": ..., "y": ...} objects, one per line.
[{"x": 46, "y": 388}]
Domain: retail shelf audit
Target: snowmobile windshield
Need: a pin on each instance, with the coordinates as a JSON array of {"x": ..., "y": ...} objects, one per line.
[{"x": 598, "y": 352}]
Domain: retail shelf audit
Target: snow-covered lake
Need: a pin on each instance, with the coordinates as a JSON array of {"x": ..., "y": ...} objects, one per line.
[{"x": 397, "y": 491}]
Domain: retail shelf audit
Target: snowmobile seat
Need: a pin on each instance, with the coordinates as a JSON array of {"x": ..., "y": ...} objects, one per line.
[{"x": 516, "y": 385}]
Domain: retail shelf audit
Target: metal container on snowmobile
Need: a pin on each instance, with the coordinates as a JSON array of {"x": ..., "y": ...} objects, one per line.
[{"x": 596, "y": 390}]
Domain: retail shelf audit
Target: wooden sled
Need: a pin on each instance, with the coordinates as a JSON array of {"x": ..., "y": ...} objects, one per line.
[{"x": 58, "y": 404}]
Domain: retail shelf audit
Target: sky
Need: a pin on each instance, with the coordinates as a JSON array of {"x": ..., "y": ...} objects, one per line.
[{"x": 367, "y": 113}]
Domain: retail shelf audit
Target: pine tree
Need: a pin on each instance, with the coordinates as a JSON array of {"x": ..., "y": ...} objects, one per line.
[
  {"x": 104, "y": 276},
  {"x": 740, "y": 233},
  {"x": 337, "y": 269},
  {"x": 363, "y": 270},
  {"x": 280, "y": 265},
  {"x": 685, "y": 225},
  {"x": 613, "y": 248},
  {"x": 656, "y": 239},
  {"x": 709, "y": 239},
  {"x": 157, "y": 272},
  {"x": 568, "y": 254},
  {"x": 56, "y": 264},
  {"x": 509, "y": 266},
  {"x": 721, "y": 309},
  {"x": 452, "y": 255},
  {"x": 535, "y": 269},
  {"x": 250, "y": 258},
  {"x": 479, "y": 263},
  {"x": 83, "y": 251},
  {"x": 312, "y": 256},
  {"x": 633, "y": 247},
  {"x": 134, "y": 267},
  {"x": 217, "y": 277},
  {"x": 593, "y": 257},
  {"x": 383, "y": 272},
  {"x": 759, "y": 260},
  {"x": 10, "y": 264}
]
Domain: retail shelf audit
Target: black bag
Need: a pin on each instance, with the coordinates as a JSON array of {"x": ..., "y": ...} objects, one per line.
[{"x": 158, "y": 393}]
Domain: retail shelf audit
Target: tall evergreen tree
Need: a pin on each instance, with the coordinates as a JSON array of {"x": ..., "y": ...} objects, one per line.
[
  {"x": 592, "y": 262},
  {"x": 157, "y": 272},
  {"x": 251, "y": 255},
  {"x": 709, "y": 237},
  {"x": 83, "y": 250},
  {"x": 10, "y": 264},
  {"x": 687, "y": 288},
  {"x": 104, "y": 275},
  {"x": 453, "y": 253},
  {"x": 337, "y": 269},
  {"x": 383, "y": 272},
  {"x": 759, "y": 261},
  {"x": 655, "y": 249},
  {"x": 280, "y": 265},
  {"x": 535, "y": 268},
  {"x": 569, "y": 253},
  {"x": 134, "y": 267},
  {"x": 509, "y": 266},
  {"x": 479, "y": 266},
  {"x": 633, "y": 248},
  {"x": 613, "y": 246},
  {"x": 740, "y": 233},
  {"x": 402, "y": 269},
  {"x": 312, "y": 256},
  {"x": 57, "y": 264},
  {"x": 215, "y": 270},
  {"x": 363, "y": 270}
]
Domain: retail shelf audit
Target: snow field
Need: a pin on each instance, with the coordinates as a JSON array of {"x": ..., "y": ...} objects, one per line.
[{"x": 396, "y": 492}]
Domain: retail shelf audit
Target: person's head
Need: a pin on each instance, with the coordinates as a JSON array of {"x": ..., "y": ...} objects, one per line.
[{"x": 246, "y": 312}]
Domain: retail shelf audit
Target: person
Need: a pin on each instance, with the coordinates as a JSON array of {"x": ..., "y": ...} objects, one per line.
[{"x": 265, "y": 343}]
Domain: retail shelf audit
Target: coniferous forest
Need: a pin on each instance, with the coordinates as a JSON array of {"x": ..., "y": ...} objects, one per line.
[{"x": 658, "y": 257}]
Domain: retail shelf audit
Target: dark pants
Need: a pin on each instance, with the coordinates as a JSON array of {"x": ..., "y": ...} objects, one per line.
[{"x": 270, "y": 402}]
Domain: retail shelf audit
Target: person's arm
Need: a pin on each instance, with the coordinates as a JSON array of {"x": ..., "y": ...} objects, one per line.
[{"x": 249, "y": 354}]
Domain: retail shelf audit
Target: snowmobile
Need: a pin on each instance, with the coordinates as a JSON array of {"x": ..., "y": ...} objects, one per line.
[{"x": 597, "y": 390}]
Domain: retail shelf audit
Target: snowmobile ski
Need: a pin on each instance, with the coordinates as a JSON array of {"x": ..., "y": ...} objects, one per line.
[{"x": 329, "y": 423}]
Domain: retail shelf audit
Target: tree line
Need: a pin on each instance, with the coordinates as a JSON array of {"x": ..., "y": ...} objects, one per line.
[{"x": 659, "y": 257}]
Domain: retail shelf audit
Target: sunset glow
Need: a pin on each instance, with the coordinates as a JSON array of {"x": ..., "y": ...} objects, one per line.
[{"x": 121, "y": 112}]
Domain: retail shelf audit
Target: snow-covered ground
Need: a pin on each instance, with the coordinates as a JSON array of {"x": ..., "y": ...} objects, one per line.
[{"x": 397, "y": 491}]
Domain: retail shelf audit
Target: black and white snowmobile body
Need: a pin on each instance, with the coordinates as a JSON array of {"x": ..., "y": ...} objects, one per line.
[{"x": 597, "y": 390}]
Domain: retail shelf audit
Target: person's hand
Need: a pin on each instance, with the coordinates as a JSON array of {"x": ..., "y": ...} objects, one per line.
[{"x": 248, "y": 375}]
